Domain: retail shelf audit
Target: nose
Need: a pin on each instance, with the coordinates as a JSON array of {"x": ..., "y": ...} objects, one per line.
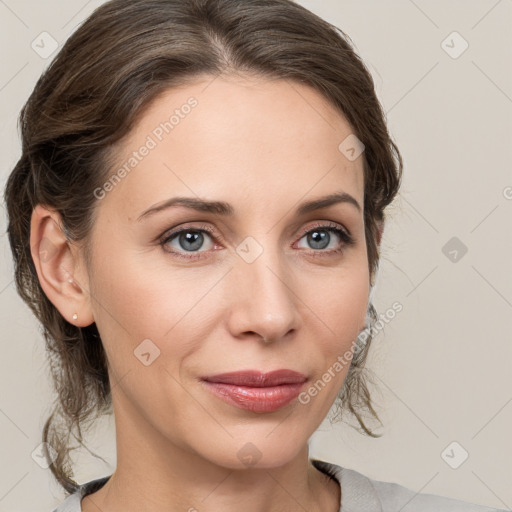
[{"x": 264, "y": 300}]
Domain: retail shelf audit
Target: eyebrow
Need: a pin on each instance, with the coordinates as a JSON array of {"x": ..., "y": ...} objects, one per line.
[{"x": 225, "y": 209}]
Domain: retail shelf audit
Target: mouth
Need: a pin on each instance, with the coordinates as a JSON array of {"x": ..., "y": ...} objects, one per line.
[
  {"x": 257, "y": 379},
  {"x": 256, "y": 391}
]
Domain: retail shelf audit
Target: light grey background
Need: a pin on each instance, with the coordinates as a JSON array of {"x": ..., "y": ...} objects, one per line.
[{"x": 442, "y": 365}]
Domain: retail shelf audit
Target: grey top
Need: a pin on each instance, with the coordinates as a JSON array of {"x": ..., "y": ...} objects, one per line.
[{"x": 358, "y": 494}]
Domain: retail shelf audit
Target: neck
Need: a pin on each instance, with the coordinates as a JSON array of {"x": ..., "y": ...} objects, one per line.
[{"x": 155, "y": 474}]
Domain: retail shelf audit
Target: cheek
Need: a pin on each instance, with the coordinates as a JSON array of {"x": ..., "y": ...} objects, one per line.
[
  {"x": 342, "y": 303},
  {"x": 134, "y": 303},
  {"x": 342, "y": 308},
  {"x": 124, "y": 304}
]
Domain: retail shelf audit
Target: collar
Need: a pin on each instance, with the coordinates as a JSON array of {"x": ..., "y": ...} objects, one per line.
[{"x": 357, "y": 491}]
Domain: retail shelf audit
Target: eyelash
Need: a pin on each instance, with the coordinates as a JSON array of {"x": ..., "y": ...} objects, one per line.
[{"x": 346, "y": 240}]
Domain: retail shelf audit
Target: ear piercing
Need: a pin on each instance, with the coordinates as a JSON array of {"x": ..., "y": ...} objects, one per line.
[{"x": 75, "y": 316}]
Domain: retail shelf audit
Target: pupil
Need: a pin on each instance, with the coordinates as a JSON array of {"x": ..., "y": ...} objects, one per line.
[
  {"x": 318, "y": 239},
  {"x": 194, "y": 238}
]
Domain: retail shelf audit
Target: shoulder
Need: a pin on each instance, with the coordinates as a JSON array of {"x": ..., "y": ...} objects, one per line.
[
  {"x": 73, "y": 503},
  {"x": 396, "y": 497},
  {"x": 360, "y": 493}
]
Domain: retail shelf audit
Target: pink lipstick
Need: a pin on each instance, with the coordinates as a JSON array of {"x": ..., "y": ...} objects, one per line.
[{"x": 256, "y": 391}]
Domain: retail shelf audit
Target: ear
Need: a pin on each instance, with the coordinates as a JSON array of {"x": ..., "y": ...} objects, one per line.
[{"x": 60, "y": 269}]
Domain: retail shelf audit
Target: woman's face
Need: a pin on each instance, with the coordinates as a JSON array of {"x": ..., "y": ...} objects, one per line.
[{"x": 174, "y": 309}]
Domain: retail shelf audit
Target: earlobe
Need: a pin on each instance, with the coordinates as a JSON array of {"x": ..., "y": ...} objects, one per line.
[{"x": 60, "y": 274}]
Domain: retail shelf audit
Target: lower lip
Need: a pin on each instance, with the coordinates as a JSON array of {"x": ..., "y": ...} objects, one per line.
[{"x": 265, "y": 399}]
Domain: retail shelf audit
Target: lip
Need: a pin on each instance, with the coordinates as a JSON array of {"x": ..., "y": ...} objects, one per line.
[
  {"x": 256, "y": 391},
  {"x": 257, "y": 379}
]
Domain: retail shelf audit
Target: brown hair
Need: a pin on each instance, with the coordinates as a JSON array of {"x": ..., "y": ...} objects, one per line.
[{"x": 120, "y": 59}]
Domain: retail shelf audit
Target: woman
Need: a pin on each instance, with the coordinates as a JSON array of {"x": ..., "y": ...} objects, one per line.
[{"x": 195, "y": 220}]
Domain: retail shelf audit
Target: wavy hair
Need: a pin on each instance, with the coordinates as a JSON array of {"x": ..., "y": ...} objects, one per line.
[{"x": 120, "y": 59}]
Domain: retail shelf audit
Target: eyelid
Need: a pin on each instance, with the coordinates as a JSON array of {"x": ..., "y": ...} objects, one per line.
[
  {"x": 347, "y": 239},
  {"x": 173, "y": 232},
  {"x": 327, "y": 224},
  {"x": 220, "y": 237}
]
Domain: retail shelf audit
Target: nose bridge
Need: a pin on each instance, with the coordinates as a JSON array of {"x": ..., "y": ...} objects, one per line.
[{"x": 264, "y": 300}]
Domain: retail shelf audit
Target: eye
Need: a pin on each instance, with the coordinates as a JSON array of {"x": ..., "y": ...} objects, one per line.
[
  {"x": 186, "y": 242},
  {"x": 320, "y": 237},
  {"x": 188, "y": 239}
]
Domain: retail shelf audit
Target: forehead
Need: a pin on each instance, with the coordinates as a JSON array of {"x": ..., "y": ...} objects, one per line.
[{"x": 250, "y": 137}]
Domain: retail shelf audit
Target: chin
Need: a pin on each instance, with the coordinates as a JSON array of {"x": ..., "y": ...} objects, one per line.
[{"x": 261, "y": 451}]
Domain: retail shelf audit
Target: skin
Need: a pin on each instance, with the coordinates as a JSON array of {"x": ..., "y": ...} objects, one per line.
[{"x": 264, "y": 147}]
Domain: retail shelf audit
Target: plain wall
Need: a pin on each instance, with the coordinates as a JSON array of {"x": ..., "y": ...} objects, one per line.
[{"x": 442, "y": 365}]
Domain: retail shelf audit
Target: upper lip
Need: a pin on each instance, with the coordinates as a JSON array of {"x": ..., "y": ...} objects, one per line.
[{"x": 257, "y": 379}]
